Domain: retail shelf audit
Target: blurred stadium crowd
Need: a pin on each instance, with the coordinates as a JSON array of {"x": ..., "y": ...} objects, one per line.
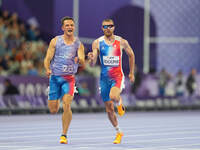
[{"x": 21, "y": 48}]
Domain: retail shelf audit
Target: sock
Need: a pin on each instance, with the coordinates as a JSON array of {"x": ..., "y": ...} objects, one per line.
[
  {"x": 118, "y": 103},
  {"x": 64, "y": 135},
  {"x": 117, "y": 129}
]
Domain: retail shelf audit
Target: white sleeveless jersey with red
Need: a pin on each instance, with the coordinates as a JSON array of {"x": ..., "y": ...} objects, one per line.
[{"x": 111, "y": 57}]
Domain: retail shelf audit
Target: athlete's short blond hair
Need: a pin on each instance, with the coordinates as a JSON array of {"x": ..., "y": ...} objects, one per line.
[{"x": 108, "y": 20}]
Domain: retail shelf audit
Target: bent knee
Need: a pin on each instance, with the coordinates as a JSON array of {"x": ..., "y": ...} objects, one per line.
[
  {"x": 53, "y": 111},
  {"x": 110, "y": 109},
  {"x": 114, "y": 97}
]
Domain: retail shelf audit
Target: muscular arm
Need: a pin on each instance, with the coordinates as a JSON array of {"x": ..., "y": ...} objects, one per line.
[
  {"x": 95, "y": 52},
  {"x": 49, "y": 55},
  {"x": 130, "y": 54},
  {"x": 81, "y": 55}
]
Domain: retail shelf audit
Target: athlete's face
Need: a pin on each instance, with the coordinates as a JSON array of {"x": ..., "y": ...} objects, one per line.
[
  {"x": 108, "y": 28},
  {"x": 68, "y": 27}
]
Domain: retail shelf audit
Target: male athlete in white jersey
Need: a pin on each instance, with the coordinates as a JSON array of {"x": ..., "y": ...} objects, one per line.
[
  {"x": 64, "y": 54},
  {"x": 109, "y": 48}
]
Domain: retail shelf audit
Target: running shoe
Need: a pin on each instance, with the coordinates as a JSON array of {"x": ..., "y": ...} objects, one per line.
[
  {"x": 118, "y": 138},
  {"x": 63, "y": 140},
  {"x": 121, "y": 110}
]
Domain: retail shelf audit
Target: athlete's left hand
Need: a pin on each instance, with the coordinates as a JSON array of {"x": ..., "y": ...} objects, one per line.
[
  {"x": 131, "y": 77},
  {"x": 76, "y": 60}
]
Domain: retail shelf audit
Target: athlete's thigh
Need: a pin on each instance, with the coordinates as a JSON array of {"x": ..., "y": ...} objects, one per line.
[
  {"x": 115, "y": 92},
  {"x": 54, "y": 88},
  {"x": 117, "y": 86},
  {"x": 105, "y": 89},
  {"x": 118, "y": 81},
  {"x": 67, "y": 88}
]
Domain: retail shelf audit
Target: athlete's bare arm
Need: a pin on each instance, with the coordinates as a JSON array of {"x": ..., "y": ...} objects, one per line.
[
  {"x": 131, "y": 55},
  {"x": 49, "y": 56},
  {"x": 94, "y": 54},
  {"x": 81, "y": 55}
]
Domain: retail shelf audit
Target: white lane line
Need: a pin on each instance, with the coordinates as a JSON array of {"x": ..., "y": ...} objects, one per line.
[
  {"x": 89, "y": 128},
  {"x": 98, "y": 131},
  {"x": 135, "y": 142},
  {"x": 101, "y": 137}
]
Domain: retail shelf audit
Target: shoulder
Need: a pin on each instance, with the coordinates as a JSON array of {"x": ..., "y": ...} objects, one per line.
[
  {"x": 77, "y": 39},
  {"x": 53, "y": 40},
  {"x": 78, "y": 43},
  {"x": 100, "y": 39},
  {"x": 118, "y": 38},
  {"x": 123, "y": 41}
]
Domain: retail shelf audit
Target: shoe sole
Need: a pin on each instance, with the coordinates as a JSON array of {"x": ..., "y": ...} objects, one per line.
[{"x": 62, "y": 142}]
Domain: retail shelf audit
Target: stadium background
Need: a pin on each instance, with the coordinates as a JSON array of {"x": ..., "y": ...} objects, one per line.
[{"x": 163, "y": 34}]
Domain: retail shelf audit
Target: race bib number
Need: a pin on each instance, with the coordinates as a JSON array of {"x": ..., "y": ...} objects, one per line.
[
  {"x": 111, "y": 60},
  {"x": 68, "y": 68}
]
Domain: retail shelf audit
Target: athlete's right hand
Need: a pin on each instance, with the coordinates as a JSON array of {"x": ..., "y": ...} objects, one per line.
[
  {"x": 90, "y": 56},
  {"x": 131, "y": 77},
  {"x": 48, "y": 72}
]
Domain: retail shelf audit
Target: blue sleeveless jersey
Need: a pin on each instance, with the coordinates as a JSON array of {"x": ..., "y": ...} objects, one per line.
[{"x": 63, "y": 60}]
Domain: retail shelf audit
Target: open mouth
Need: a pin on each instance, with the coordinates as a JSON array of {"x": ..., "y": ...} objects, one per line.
[{"x": 69, "y": 30}]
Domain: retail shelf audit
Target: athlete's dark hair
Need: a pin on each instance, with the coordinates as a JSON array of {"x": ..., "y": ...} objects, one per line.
[
  {"x": 107, "y": 20},
  {"x": 66, "y": 18}
]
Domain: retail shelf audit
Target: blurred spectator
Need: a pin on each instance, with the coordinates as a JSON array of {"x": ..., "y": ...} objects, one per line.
[
  {"x": 179, "y": 84},
  {"x": 33, "y": 33},
  {"x": 3, "y": 72},
  {"x": 32, "y": 71},
  {"x": 6, "y": 17},
  {"x": 91, "y": 71},
  {"x": 164, "y": 77},
  {"x": 191, "y": 82},
  {"x": 83, "y": 89},
  {"x": 23, "y": 31},
  {"x": 3, "y": 62},
  {"x": 138, "y": 78},
  {"x": 10, "y": 89}
]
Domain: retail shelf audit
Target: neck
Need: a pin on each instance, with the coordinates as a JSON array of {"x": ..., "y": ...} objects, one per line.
[
  {"x": 68, "y": 38},
  {"x": 110, "y": 38}
]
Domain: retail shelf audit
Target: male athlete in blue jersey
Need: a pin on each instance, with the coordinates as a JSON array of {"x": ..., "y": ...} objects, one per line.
[
  {"x": 63, "y": 56},
  {"x": 109, "y": 48}
]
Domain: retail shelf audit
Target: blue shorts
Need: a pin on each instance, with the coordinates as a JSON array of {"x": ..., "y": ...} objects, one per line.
[
  {"x": 107, "y": 83},
  {"x": 60, "y": 85}
]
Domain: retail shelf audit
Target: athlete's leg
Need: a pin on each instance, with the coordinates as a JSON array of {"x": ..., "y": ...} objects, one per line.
[
  {"x": 115, "y": 94},
  {"x": 67, "y": 112},
  {"x": 111, "y": 113},
  {"x": 113, "y": 119},
  {"x": 67, "y": 94},
  {"x": 53, "y": 106},
  {"x": 53, "y": 95}
]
